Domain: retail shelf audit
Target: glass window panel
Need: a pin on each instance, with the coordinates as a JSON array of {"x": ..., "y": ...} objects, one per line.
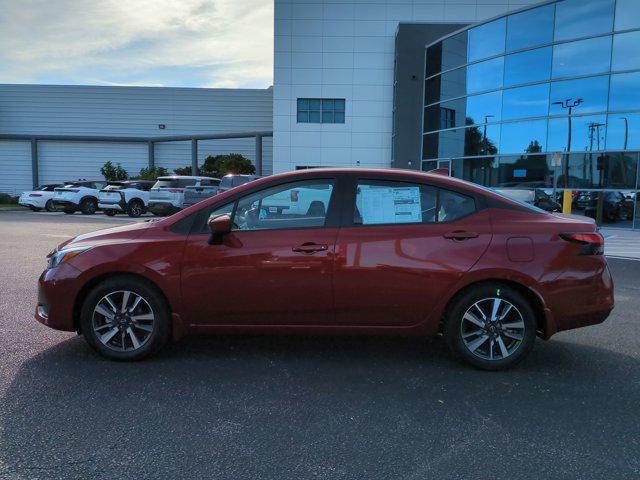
[
  {"x": 327, "y": 117},
  {"x": 384, "y": 203},
  {"x": 303, "y": 117},
  {"x": 482, "y": 140},
  {"x": 338, "y": 117},
  {"x": 524, "y": 102},
  {"x": 338, "y": 104},
  {"x": 448, "y": 85},
  {"x": 484, "y": 108},
  {"x": 449, "y": 143},
  {"x": 487, "y": 40},
  {"x": 582, "y": 58},
  {"x": 592, "y": 91},
  {"x": 454, "y": 51},
  {"x": 314, "y": 117},
  {"x": 429, "y": 165},
  {"x": 314, "y": 104},
  {"x": 529, "y": 137},
  {"x": 625, "y": 91},
  {"x": 617, "y": 170},
  {"x": 303, "y": 104},
  {"x": 587, "y": 133},
  {"x": 627, "y": 14},
  {"x": 452, "y": 206},
  {"x": 530, "y": 28},
  {"x": 623, "y": 131},
  {"x": 445, "y": 115},
  {"x": 433, "y": 60},
  {"x": 327, "y": 104},
  {"x": 626, "y": 54},
  {"x": 526, "y": 67},
  {"x": 483, "y": 171},
  {"x": 485, "y": 75},
  {"x": 532, "y": 171},
  {"x": 609, "y": 208},
  {"x": 580, "y": 18}
]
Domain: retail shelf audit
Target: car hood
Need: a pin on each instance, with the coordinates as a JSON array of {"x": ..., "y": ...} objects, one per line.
[{"x": 109, "y": 235}]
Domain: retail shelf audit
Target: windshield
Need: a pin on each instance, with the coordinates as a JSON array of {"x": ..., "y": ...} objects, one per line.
[{"x": 174, "y": 182}]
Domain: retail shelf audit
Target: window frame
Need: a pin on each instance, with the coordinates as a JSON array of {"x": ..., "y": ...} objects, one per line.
[{"x": 321, "y": 111}]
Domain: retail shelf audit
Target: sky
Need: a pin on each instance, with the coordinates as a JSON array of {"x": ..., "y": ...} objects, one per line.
[{"x": 183, "y": 43}]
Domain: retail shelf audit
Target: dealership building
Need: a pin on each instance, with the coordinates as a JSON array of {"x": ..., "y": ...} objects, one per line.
[{"x": 489, "y": 89}]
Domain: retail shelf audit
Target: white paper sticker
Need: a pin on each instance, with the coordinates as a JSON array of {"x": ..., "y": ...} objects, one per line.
[{"x": 379, "y": 205}]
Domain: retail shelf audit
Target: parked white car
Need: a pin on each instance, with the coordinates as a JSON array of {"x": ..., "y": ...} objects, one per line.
[
  {"x": 128, "y": 196},
  {"x": 167, "y": 195},
  {"x": 81, "y": 195},
  {"x": 232, "y": 180},
  {"x": 40, "y": 198}
]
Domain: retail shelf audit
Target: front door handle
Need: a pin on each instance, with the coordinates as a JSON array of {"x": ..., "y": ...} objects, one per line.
[
  {"x": 460, "y": 235},
  {"x": 310, "y": 247}
]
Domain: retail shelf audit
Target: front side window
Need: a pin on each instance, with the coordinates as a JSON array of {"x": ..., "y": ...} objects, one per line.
[
  {"x": 390, "y": 203},
  {"x": 294, "y": 205}
]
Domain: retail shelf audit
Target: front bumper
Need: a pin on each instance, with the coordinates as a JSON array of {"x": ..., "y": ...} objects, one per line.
[{"x": 57, "y": 290}]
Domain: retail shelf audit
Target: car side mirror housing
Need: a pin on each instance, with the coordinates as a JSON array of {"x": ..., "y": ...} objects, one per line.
[{"x": 219, "y": 226}]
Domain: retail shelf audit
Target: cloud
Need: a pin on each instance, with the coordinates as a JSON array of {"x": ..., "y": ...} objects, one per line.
[{"x": 216, "y": 43}]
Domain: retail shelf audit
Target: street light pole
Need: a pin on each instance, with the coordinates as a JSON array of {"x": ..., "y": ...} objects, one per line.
[
  {"x": 569, "y": 106},
  {"x": 626, "y": 131}
]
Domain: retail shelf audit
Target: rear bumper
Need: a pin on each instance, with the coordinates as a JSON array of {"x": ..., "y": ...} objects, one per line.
[
  {"x": 162, "y": 207},
  {"x": 57, "y": 290},
  {"x": 25, "y": 202},
  {"x": 65, "y": 204}
]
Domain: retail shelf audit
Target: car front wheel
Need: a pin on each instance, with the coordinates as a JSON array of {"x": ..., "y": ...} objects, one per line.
[
  {"x": 135, "y": 208},
  {"x": 123, "y": 318},
  {"x": 49, "y": 206},
  {"x": 491, "y": 326}
]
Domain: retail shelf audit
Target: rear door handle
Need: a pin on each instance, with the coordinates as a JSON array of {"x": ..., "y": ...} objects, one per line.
[
  {"x": 461, "y": 235},
  {"x": 310, "y": 247}
]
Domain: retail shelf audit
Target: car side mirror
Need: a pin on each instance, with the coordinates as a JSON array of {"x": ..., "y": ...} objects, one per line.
[{"x": 219, "y": 226}]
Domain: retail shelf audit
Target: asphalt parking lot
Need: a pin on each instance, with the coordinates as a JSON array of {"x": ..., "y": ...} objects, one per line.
[{"x": 265, "y": 407}]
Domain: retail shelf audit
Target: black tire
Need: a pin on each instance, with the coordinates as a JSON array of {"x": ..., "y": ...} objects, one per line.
[
  {"x": 154, "y": 299},
  {"x": 88, "y": 206},
  {"x": 49, "y": 206},
  {"x": 135, "y": 208},
  {"x": 69, "y": 211},
  {"x": 110, "y": 213},
  {"x": 455, "y": 325}
]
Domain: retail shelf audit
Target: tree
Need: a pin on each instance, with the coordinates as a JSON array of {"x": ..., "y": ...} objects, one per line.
[
  {"x": 221, "y": 165},
  {"x": 184, "y": 171},
  {"x": 152, "y": 173},
  {"x": 112, "y": 173}
]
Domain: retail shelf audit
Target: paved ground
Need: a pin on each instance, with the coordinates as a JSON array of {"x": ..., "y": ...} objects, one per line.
[{"x": 300, "y": 407}]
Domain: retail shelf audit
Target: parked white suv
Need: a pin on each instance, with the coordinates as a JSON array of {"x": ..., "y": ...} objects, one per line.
[
  {"x": 81, "y": 195},
  {"x": 128, "y": 196},
  {"x": 41, "y": 197},
  {"x": 167, "y": 195}
]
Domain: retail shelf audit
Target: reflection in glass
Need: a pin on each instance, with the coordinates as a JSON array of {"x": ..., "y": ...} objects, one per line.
[
  {"x": 579, "y": 18},
  {"x": 445, "y": 115},
  {"x": 483, "y": 171},
  {"x": 623, "y": 131},
  {"x": 525, "y": 171},
  {"x": 450, "y": 53},
  {"x": 627, "y": 14},
  {"x": 527, "y": 137},
  {"x": 484, "y": 108},
  {"x": 626, "y": 54},
  {"x": 582, "y": 58},
  {"x": 530, "y": 28},
  {"x": 592, "y": 91},
  {"x": 472, "y": 141},
  {"x": 448, "y": 85},
  {"x": 482, "y": 140},
  {"x": 587, "y": 133},
  {"x": 485, "y": 75},
  {"x": 487, "y": 40},
  {"x": 526, "y": 67},
  {"x": 600, "y": 170},
  {"x": 524, "y": 102},
  {"x": 625, "y": 91},
  {"x": 615, "y": 209}
]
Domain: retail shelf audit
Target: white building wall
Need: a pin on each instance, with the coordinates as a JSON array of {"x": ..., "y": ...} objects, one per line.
[
  {"x": 342, "y": 49},
  {"x": 122, "y": 111}
]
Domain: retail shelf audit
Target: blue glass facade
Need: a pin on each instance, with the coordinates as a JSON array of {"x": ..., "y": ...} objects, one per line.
[{"x": 564, "y": 76}]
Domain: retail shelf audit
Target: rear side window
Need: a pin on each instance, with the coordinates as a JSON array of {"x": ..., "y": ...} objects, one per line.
[{"x": 389, "y": 203}]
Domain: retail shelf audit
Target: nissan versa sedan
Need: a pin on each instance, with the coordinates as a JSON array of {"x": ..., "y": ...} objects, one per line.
[{"x": 336, "y": 251}]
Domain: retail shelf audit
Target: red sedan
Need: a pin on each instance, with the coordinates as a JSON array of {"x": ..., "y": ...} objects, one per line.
[{"x": 336, "y": 251}]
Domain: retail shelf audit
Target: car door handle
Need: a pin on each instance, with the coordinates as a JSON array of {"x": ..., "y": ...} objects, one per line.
[
  {"x": 310, "y": 247},
  {"x": 460, "y": 235}
]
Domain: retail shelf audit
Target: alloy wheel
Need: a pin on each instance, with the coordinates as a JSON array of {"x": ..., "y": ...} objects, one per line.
[
  {"x": 123, "y": 321},
  {"x": 492, "y": 329}
]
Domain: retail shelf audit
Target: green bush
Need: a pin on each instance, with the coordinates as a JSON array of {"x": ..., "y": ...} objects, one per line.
[
  {"x": 7, "y": 199},
  {"x": 152, "y": 173},
  {"x": 112, "y": 173}
]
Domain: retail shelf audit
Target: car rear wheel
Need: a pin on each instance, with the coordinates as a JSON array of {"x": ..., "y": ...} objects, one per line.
[
  {"x": 88, "y": 206},
  {"x": 135, "y": 208},
  {"x": 110, "y": 213},
  {"x": 125, "y": 319},
  {"x": 49, "y": 206},
  {"x": 491, "y": 326}
]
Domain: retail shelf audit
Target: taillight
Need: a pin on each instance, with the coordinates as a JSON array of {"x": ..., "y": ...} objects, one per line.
[
  {"x": 294, "y": 195},
  {"x": 175, "y": 190},
  {"x": 35, "y": 195},
  {"x": 592, "y": 243}
]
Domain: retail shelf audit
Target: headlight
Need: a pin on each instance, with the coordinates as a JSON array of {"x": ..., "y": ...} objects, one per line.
[{"x": 58, "y": 257}]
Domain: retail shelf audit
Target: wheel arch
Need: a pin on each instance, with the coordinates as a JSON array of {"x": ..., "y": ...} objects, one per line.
[{"x": 544, "y": 328}]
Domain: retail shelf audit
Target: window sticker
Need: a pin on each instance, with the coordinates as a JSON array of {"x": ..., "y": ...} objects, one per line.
[{"x": 390, "y": 204}]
